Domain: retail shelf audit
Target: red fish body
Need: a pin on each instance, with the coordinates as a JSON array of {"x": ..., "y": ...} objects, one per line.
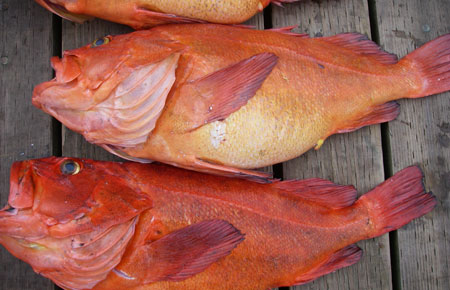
[
  {"x": 223, "y": 99},
  {"x": 104, "y": 225},
  {"x": 141, "y": 14}
]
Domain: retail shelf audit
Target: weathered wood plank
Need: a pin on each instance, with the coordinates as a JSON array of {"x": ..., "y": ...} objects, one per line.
[
  {"x": 74, "y": 36},
  {"x": 354, "y": 158},
  {"x": 25, "y": 132},
  {"x": 421, "y": 135}
]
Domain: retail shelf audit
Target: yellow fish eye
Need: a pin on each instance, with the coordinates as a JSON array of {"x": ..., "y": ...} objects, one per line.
[
  {"x": 100, "y": 41},
  {"x": 70, "y": 167}
]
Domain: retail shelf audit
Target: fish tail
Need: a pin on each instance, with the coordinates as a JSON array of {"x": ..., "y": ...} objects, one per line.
[
  {"x": 397, "y": 201},
  {"x": 432, "y": 61}
]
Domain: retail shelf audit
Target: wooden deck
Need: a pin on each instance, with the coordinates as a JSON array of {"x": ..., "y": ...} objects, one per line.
[{"x": 415, "y": 257}]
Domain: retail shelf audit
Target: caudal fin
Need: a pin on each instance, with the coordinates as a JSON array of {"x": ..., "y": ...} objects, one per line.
[
  {"x": 397, "y": 201},
  {"x": 432, "y": 60}
]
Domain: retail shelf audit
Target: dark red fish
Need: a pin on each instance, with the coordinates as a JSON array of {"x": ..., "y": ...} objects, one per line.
[{"x": 106, "y": 225}]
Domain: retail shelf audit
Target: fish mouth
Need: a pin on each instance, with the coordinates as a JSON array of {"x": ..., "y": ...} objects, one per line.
[
  {"x": 63, "y": 12},
  {"x": 55, "y": 96},
  {"x": 67, "y": 70},
  {"x": 16, "y": 218}
]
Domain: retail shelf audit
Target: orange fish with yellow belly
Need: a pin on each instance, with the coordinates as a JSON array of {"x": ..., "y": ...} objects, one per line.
[
  {"x": 223, "y": 99},
  {"x": 141, "y": 14},
  {"x": 103, "y": 225}
]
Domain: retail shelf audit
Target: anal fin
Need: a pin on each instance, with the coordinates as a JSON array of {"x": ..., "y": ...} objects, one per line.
[
  {"x": 344, "y": 257},
  {"x": 147, "y": 18},
  {"x": 379, "y": 114},
  {"x": 228, "y": 171}
]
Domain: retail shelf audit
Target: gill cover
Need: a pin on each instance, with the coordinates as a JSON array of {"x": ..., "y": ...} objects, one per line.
[{"x": 135, "y": 105}]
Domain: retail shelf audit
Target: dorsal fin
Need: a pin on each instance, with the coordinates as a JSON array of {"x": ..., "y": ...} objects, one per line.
[
  {"x": 360, "y": 44},
  {"x": 215, "y": 96},
  {"x": 343, "y": 258},
  {"x": 379, "y": 114},
  {"x": 321, "y": 191}
]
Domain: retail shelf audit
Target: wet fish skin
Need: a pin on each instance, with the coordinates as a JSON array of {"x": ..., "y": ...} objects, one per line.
[
  {"x": 222, "y": 99},
  {"x": 134, "y": 226},
  {"x": 141, "y": 14}
]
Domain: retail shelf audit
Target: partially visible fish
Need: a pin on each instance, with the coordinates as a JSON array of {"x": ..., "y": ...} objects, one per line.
[
  {"x": 102, "y": 225},
  {"x": 222, "y": 99},
  {"x": 141, "y": 14}
]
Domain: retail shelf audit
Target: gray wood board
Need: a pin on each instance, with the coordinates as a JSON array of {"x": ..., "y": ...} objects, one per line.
[
  {"x": 421, "y": 135},
  {"x": 354, "y": 158},
  {"x": 25, "y": 132},
  {"x": 74, "y": 36}
]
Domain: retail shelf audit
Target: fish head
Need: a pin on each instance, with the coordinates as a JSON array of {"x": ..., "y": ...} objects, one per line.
[
  {"x": 68, "y": 9},
  {"x": 113, "y": 90},
  {"x": 71, "y": 219}
]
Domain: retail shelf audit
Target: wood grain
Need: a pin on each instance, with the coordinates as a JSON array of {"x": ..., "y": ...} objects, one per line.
[
  {"x": 354, "y": 158},
  {"x": 25, "y": 132},
  {"x": 421, "y": 135}
]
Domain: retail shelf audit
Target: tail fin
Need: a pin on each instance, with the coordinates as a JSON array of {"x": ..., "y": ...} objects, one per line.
[
  {"x": 397, "y": 201},
  {"x": 432, "y": 60}
]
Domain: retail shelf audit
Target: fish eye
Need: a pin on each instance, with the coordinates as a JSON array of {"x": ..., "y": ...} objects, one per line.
[
  {"x": 70, "y": 167},
  {"x": 100, "y": 41}
]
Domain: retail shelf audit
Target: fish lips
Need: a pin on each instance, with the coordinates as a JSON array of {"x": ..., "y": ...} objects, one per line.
[
  {"x": 52, "y": 93},
  {"x": 56, "y": 97},
  {"x": 17, "y": 219}
]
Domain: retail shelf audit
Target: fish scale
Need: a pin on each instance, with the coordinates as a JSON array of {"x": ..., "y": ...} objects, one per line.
[
  {"x": 141, "y": 14},
  {"x": 244, "y": 98},
  {"x": 159, "y": 227}
]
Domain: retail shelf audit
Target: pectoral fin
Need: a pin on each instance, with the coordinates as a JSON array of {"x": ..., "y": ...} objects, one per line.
[
  {"x": 217, "y": 95},
  {"x": 183, "y": 253}
]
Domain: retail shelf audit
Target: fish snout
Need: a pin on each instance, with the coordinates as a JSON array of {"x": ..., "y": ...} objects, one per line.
[
  {"x": 65, "y": 91},
  {"x": 17, "y": 218}
]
